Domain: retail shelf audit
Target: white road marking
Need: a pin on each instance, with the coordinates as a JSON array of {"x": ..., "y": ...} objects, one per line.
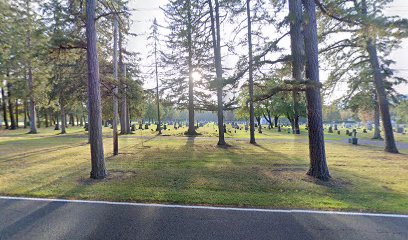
[{"x": 208, "y": 207}]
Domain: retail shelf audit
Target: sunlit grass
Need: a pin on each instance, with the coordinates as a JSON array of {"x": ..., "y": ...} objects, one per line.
[{"x": 188, "y": 170}]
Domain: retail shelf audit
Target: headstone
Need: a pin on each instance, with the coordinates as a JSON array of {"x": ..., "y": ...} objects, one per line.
[
  {"x": 347, "y": 132},
  {"x": 330, "y": 129},
  {"x": 146, "y": 126},
  {"x": 335, "y": 127},
  {"x": 364, "y": 130},
  {"x": 86, "y": 127},
  {"x": 133, "y": 128},
  {"x": 164, "y": 127},
  {"x": 338, "y": 132},
  {"x": 400, "y": 130},
  {"x": 288, "y": 130}
]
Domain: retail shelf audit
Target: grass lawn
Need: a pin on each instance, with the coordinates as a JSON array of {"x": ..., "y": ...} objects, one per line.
[{"x": 187, "y": 170}]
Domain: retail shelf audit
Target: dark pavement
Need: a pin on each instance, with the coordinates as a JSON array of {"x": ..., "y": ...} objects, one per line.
[{"x": 39, "y": 219}]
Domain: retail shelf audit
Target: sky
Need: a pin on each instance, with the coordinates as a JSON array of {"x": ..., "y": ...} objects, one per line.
[{"x": 146, "y": 11}]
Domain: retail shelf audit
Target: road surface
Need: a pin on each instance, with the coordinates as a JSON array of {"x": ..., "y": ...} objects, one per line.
[{"x": 60, "y": 219}]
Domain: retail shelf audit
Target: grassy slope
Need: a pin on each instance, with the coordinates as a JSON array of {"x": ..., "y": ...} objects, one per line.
[{"x": 195, "y": 171}]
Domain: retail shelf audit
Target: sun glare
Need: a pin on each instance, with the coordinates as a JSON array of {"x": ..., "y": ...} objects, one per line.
[{"x": 196, "y": 76}]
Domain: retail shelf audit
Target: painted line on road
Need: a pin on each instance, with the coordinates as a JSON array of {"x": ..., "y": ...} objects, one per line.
[{"x": 207, "y": 207}]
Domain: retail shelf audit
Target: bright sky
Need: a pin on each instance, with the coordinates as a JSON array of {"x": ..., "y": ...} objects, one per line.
[{"x": 148, "y": 10}]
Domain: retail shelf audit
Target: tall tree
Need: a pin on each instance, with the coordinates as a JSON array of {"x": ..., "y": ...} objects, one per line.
[
  {"x": 371, "y": 36},
  {"x": 318, "y": 165},
  {"x": 154, "y": 38},
  {"x": 94, "y": 96},
  {"x": 188, "y": 47},
  {"x": 251, "y": 76},
  {"x": 115, "y": 87},
  {"x": 297, "y": 50},
  {"x": 216, "y": 41}
]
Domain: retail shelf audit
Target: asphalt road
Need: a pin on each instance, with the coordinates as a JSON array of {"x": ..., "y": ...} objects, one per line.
[{"x": 39, "y": 219}]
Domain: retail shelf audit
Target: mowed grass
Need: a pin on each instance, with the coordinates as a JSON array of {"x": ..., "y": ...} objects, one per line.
[{"x": 188, "y": 170}]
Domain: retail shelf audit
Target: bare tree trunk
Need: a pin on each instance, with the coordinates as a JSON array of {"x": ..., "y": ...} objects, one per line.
[
  {"x": 377, "y": 132},
  {"x": 157, "y": 87},
  {"x": 4, "y": 106},
  {"x": 251, "y": 77},
  {"x": 191, "y": 127},
  {"x": 216, "y": 37},
  {"x": 16, "y": 112},
  {"x": 46, "y": 118},
  {"x": 94, "y": 96},
  {"x": 115, "y": 90},
  {"x": 30, "y": 81},
  {"x": 276, "y": 119},
  {"x": 63, "y": 119},
  {"x": 297, "y": 48},
  {"x": 10, "y": 106},
  {"x": 318, "y": 166},
  {"x": 124, "y": 123},
  {"x": 25, "y": 113}
]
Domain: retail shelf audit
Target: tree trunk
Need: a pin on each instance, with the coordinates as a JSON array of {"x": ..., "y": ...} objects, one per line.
[
  {"x": 258, "y": 119},
  {"x": 46, "y": 118},
  {"x": 16, "y": 112},
  {"x": 157, "y": 86},
  {"x": 251, "y": 77},
  {"x": 377, "y": 132},
  {"x": 30, "y": 81},
  {"x": 10, "y": 106},
  {"x": 216, "y": 38},
  {"x": 297, "y": 49},
  {"x": 390, "y": 145},
  {"x": 63, "y": 119},
  {"x": 57, "y": 126},
  {"x": 25, "y": 113},
  {"x": 124, "y": 123},
  {"x": 115, "y": 90},
  {"x": 94, "y": 96},
  {"x": 38, "y": 121},
  {"x": 191, "y": 127},
  {"x": 318, "y": 166},
  {"x": 4, "y": 106},
  {"x": 268, "y": 118},
  {"x": 276, "y": 119}
]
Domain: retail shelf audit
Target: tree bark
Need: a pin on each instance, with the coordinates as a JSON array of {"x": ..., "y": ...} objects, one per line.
[
  {"x": 124, "y": 123},
  {"x": 115, "y": 89},
  {"x": 377, "y": 132},
  {"x": 46, "y": 118},
  {"x": 191, "y": 127},
  {"x": 10, "y": 106},
  {"x": 156, "y": 63},
  {"x": 297, "y": 49},
  {"x": 276, "y": 119},
  {"x": 94, "y": 96},
  {"x": 25, "y": 113},
  {"x": 390, "y": 145},
  {"x": 318, "y": 166},
  {"x": 63, "y": 119},
  {"x": 251, "y": 77},
  {"x": 30, "y": 81},
  {"x": 216, "y": 38},
  {"x": 4, "y": 106},
  {"x": 16, "y": 112}
]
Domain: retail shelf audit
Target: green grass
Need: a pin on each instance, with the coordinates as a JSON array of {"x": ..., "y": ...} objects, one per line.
[{"x": 187, "y": 170}]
